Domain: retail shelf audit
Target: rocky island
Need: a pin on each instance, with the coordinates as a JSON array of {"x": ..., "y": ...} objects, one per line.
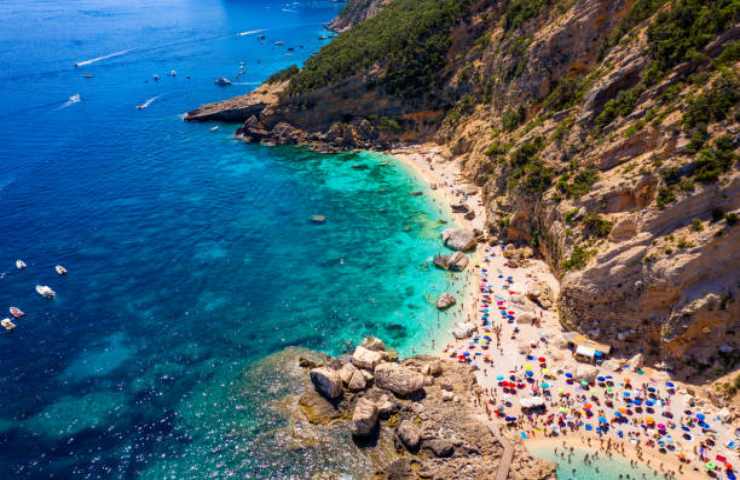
[{"x": 589, "y": 149}]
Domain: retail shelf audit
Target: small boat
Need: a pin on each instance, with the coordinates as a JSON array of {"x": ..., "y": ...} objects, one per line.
[
  {"x": 222, "y": 82},
  {"x": 45, "y": 291},
  {"x": 279, "y": 43},
  {"x": 323, "y": 37},
  {"x": 261, "y": 37},
  {"x": 155, "y": 77},
  {"x": 7, "y": 324},
  {"x": 16, "y": 312},
  {"x": 20, "y": 264},
  {"x": 60, "y": 270},
  {"x": 88, "y": 75},
  {"x": 74, "y": 99},
  {"x": 214, "y": 129},
  {"x": 173, "y": 73}
]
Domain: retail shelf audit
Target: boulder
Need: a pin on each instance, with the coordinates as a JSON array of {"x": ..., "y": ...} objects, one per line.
[
  {"x": 459, "y": 239},
  {"x": 357, "y": 382},
  {"x": 439, "y": 447},
  {"x": 364, "y": 358},
  {"x": 433, "y": 368},
  {"x": 386, "y": 406},
  {"x": 526, "y": 318},
  {"x": 463, "y": 330},
  {"x": 364, "y": 417},
  {"x": 457, "y": 262},
  {"x": 400, "y": 380},
  {"x": 409, "y": 435},
  {"x": 541, "y": 294},
  {"x": 327, "y": 381},
  {"x": 346, "y": 372},
  {"x": 373, "y": 343},
  {"x": 445, "y": 301}
]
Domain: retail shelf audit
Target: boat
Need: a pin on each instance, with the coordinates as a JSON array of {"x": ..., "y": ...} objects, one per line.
[
  {"x": 16, "y": 312},
  {"x": 60, "y": 270},
  {"x": 74, "y": 98},
  {"x": 222, "y": 82},
  {"x": 214, "y": 129},
  {"x": 20, "y": 264},
  {"x": 173, "y": 73},
  {"x": 7, "y": 324},
  {"x": 45, "y": 291},
  {"x": 155, "y": 77},
  {"x": 279, "y": 43},
  {"x": 88, "y": 75},
  {"x": 323, "y": 37}
]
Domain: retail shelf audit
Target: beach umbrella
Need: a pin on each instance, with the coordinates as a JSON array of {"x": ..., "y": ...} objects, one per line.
[
  {"x": 603, "y": 420},
  {"x": 649, "y": 403},
  {"x": 670, "y": 385},
  {"x": 499, "y": 378},
  {"x": 541, "y": 359},
  {"x": 711, "y": 466},
  {"x": 529, "y": 373},
  {"x": 626, "y": 394},
  {"x": 588, "y": 406},
  {"x": 568, "y": 375},
  {"x": 545, "y": 385},
  {"x": 589, "y": 427}
]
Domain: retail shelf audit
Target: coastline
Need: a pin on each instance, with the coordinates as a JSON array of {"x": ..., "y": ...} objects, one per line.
[
  {"x": 440, "y": 172},
  {"x": 657, "y": 462}
]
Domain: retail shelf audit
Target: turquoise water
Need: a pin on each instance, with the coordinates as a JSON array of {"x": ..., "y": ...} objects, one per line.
[
  {"x": 616, "y": 468},
  {"x": 191, "y": 255}
]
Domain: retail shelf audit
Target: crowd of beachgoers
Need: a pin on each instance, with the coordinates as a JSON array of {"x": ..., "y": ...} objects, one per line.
[{"x": 534, "y": 387}]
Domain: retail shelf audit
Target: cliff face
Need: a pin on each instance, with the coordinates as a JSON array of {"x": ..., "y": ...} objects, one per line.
[
  {"x": 604, "y": 134},
  {"x": 356, "y": 11}
]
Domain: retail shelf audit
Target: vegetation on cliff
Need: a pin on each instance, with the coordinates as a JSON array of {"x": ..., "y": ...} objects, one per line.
[{"x": 409, "y": 39}]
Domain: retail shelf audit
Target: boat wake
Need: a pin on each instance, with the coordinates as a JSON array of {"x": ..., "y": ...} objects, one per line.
[
  {"x": 148, "y": 102},
  {"x": 250, "y": 32},
  {"x": 84, "y": 63},
  {"x": 72, "y": 100}
]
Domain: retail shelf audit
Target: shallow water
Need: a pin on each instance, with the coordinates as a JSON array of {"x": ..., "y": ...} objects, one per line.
[
  {"x": 616, "y": 468},
  {"x": 191, "y": 255}
]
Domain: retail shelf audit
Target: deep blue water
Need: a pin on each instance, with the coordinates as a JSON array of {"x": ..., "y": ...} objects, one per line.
[{"x": 191, "y": 255}]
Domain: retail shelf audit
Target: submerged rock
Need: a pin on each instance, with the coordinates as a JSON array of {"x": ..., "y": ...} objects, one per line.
[{"x": 373, "y": 343}]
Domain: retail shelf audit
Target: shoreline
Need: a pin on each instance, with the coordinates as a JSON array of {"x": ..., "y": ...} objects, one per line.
[
  {"x": 628, "y": 452},
  {"x": 440, "y": 173}
]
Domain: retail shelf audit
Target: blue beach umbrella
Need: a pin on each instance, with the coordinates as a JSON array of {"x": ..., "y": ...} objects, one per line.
[{"x": 603, "y": 420}]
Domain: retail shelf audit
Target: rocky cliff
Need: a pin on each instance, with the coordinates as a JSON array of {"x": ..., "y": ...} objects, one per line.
[
  {"x": 604, "y": 134},
  {"x": 356, "y": 11}
]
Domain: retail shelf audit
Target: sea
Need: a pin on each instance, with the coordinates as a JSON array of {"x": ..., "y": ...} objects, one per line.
[{"x": 192, "y": 258}]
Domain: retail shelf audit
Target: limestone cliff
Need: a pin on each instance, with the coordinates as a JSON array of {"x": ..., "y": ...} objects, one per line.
[
  {"x": 356, "y": 11},
  {"x": 604, "y": 134}
]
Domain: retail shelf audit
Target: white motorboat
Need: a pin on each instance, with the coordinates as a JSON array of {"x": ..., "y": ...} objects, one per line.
[
  {"x": 45, "y": 291},
  {"x": 20, "y": 264},
  {"x": 7, "y": 324},
  {"x": 60, "y": 270},
  {"x": 173, "y": 73}
]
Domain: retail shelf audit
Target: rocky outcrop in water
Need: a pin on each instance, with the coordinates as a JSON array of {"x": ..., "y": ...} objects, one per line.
[{"x": 403, "y": 424}]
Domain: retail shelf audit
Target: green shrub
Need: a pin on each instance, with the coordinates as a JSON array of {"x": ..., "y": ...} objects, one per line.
[
  {"x": 410, "y": 38},
  {"x": 513, "y": 118},
  {"x": 696, "y": 225},
  {"x": 711, "y": 162},
  {"x": 620, "y": 106},
  {"x": 519, "y": 11},
  {"x": 564, "y": 95},
  {"x": 570, "y": 216},
  {"x": 581, "y": 183},
  {"x": 730, "y": 54},
  {"x": 579, "y": 258},
  {"x": 731, "y": 219},
  {"x": 680, "y": 33},
  {"x": 594, "y": 225},
  {"x": 496, "y": 150},
  {"x": 284, "y": 74},
  {"x": 665, "y": 196},
  {"x": 714, "y": 104},
  {"x": 528, "y": 172}
]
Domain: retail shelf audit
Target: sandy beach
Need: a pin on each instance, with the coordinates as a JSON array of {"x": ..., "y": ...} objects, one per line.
[{"x": 532, "y": 356}]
